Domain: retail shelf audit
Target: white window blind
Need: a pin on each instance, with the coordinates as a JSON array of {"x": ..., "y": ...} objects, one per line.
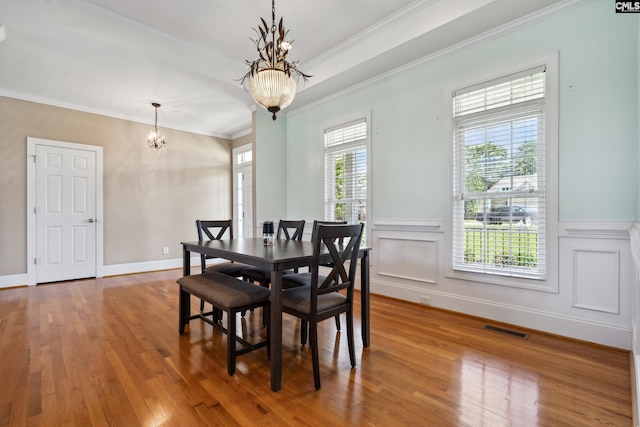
[
  {"x": 499, "y": 176},
  {"x": 346, "y": 173}
]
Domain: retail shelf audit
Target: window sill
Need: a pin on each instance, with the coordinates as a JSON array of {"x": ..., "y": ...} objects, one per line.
[{"x": 512, "y": 282}]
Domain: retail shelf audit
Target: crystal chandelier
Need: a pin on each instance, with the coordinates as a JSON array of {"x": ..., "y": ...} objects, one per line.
[
  {"x": 270, "y": 75},
  {"x": 155, "y": 141}
]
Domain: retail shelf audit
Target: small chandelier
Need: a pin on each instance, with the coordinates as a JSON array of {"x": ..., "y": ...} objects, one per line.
[
  {"x": 155, "y": 141},
  {"x": 269, "y": 75}
]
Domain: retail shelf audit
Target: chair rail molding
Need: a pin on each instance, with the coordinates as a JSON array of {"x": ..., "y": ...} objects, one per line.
[
  {"x": 594, "y": 230},
  {"x": 391, "y": 224}
]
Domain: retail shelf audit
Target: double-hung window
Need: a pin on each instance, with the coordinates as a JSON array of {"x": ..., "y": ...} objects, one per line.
[
  {"x": 499, "y": 176},
  {"x": 345, "y": 150}
]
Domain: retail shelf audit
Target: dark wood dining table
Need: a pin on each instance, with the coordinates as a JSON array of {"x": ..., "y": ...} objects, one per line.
[{"x": 284, "y": 254}]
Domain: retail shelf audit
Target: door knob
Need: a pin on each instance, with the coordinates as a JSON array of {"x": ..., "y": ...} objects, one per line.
[{"x": 92, "y": 220}]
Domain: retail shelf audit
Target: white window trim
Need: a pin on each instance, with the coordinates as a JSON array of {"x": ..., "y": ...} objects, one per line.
[{"x": 550, "y": 283}]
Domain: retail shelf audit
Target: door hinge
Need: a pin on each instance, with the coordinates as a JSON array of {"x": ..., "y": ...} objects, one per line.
[
  {"x": 35, "y": 158},
  {"x": 35, "y": 261}
]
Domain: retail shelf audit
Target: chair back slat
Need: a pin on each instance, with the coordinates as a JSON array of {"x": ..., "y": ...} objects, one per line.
[
  {"x": 316, "y": 223},
  {"x": 214, "y": 229},
  {"x": 292, "y": 230},
  {"x": 339, "y": 256},
  {"x": 342, "y": 242}
]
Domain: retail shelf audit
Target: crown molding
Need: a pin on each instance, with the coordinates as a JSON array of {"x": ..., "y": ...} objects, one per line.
[
  {"x": 85, "y": 109},
  {"x": 515, "y": 25}
]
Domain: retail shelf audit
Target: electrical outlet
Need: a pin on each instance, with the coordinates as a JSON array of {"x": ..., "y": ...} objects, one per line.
[
  {"x": 165, "y": 250},
  {"x": 425, "y": 300}
]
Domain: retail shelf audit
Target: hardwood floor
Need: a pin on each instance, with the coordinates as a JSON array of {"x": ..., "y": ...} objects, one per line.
[{"x": 107, "y": 352}]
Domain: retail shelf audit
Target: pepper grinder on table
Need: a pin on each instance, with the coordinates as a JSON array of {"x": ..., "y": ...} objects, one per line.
[{"x": 267, "y": 233}]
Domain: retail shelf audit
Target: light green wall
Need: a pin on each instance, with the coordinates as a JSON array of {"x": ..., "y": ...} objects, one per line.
[
  {"x": 410, "y": 158},
  {"x": 598, "y": 110},
  {"x": 270, "y": 166},
  {"x": 638, "y": 119}
]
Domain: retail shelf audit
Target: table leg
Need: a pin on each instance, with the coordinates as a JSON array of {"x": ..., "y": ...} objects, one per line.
[
  {"x": 365, "y": 299},
  {"x": 186, "y": 261},
  {"x": 185, "y": 299},
  {"x": 276, "y": 330}
]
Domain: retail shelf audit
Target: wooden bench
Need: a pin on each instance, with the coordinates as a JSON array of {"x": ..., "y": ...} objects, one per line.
[{"x": 230, "y": 295}]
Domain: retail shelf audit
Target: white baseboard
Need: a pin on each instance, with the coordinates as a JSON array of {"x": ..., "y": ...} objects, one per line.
[
  {"x": 13, "y": 280},
  {"x": 141, "y": 267},
  {"x": 599, "y": 333}
]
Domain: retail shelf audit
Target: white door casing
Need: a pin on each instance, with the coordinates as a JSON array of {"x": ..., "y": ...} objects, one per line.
[
  {"x": 65, "y": 221},
  {"x": 244, "y": 175},
  {"x": 242, "y": 194}
]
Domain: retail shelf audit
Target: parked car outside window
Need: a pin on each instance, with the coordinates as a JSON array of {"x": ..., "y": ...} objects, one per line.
[{"x": 508, "y": 214}]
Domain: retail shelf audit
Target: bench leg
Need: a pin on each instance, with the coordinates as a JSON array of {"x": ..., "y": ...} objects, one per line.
[
  {"x": 184, "y": 302},
  {"x": 231, "y": 342},
  {"x": 304, "y": 328}
]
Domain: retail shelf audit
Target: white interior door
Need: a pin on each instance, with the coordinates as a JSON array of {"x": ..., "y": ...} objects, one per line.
[{"x": 65, "y": 212}]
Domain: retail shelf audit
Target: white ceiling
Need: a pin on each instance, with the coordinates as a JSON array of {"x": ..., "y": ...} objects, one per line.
[{"x": 115, "y": 57}]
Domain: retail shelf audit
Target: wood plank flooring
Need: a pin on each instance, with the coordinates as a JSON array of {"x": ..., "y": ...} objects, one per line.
[{"x": 107, "y": 352}]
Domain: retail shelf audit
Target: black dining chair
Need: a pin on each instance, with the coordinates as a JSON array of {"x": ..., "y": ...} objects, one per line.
[
  {"x": 216, "y": 230},
  {"x": 325, "y": 296},
  {"x": 288, "y": 230},
  {"x": 295, "y": 281}
]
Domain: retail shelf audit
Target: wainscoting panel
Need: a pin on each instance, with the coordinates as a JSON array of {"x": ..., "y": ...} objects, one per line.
[
  {"x": 410, "y": 259},
  {"x": 596, "y": 275},
  {"x": 592, "y": 265},
  {"x": 597, "y": 271}
]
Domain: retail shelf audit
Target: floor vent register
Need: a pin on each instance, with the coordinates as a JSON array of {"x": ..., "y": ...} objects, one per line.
[{"x": 507, "y": 331}]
